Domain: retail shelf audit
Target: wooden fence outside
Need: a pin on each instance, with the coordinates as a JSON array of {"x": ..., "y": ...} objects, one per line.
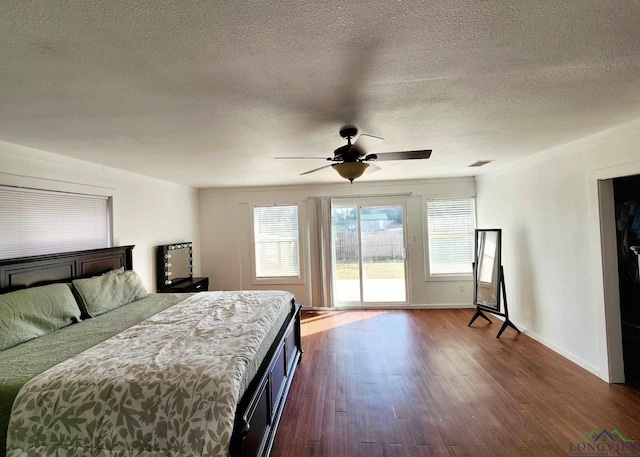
[{"x": 379, "y": 245}]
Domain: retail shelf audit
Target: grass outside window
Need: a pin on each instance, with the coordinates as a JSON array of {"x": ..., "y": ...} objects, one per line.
[{"x": 378, "y": 270}]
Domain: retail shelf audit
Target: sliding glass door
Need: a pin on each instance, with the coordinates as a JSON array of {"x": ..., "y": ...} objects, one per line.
[{"x": 368, "y": 254}]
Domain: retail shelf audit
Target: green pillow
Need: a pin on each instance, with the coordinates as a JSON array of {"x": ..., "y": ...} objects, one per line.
[
  {"x": 100, "y": 294},
  {"x": 29, "y": 313}
]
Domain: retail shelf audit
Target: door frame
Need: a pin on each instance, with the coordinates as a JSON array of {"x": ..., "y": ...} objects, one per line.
[
  {"x": 360, "y": 202},
  {"x": 605, "y": 266}
]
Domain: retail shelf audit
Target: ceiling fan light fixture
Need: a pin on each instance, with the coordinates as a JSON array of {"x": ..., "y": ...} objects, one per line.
[
  {"x": 351, "y": 170},
  {"x": 352, "y": 160}
]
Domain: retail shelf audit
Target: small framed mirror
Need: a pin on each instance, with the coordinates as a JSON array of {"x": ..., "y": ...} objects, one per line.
[{"x": 487, "y": 261}]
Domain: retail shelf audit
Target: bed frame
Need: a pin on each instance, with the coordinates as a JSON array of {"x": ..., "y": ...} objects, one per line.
[{"x": 260, "y": 408}]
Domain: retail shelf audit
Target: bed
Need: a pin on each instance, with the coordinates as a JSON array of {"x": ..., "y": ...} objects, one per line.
[{"x": 223, "y": 394}]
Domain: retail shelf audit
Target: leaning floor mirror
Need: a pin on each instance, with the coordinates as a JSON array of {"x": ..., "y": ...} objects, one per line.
[
  {"x": 489, "y": 293},
  {"x": 487, "y": 261}
]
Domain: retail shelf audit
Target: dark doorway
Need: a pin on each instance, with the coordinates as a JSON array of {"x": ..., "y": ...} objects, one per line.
[{"x": 627, "y": 204}]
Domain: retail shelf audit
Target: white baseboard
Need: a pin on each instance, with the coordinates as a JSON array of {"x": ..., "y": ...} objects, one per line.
[
  {"x": 566, "y": 354},
  {"x": 392, "y": 307},
  {"x": 443, "y": 306}
]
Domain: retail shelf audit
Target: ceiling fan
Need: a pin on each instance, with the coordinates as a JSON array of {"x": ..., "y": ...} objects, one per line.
[{"x": 353, "y": 159}]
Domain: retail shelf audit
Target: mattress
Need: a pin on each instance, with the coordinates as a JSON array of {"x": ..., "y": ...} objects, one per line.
[{"x": 23, "y": 362}]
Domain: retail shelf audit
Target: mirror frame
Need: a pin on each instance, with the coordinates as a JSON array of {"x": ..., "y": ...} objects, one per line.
[
  {"x": 163, "y": 264},
  {"x": 476, "y": 271}
]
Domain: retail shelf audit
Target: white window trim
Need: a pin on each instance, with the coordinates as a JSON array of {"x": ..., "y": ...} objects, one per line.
[
  {"x": 282, "y": 279},
  {"x": 427, "y": 265}
]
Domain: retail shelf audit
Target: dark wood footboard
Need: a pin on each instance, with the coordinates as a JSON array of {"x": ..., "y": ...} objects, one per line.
[{"x": 261, "y": 407}]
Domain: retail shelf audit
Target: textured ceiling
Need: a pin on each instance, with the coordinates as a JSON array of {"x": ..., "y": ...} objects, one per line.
[{"x": 206, "y": 93}]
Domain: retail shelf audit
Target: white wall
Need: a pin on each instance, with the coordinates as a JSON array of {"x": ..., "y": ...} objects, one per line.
[
  {"x": 548, "y": 209},
  {"x": 226, "y": 223},
  {"x": 146, "y": 211}
]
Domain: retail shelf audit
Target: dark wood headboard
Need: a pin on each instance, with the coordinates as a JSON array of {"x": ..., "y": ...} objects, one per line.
[{"x": 36, "y": 270}]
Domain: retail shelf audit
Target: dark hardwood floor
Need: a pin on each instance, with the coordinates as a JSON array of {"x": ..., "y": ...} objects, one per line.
[{"x": 421, "y": 383}]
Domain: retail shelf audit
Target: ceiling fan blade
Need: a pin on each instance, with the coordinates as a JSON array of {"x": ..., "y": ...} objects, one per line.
[
  {"x": 315, "y": 169},
  {"x": 365, "y": 143},
  {"x": 372, "y": 168},
  {"x": 306, "y": 157},
  {"x": 401, "y": 155}
]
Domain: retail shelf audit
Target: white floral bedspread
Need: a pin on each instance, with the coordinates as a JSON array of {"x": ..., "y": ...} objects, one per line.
[{"x": 168, "y": 386}]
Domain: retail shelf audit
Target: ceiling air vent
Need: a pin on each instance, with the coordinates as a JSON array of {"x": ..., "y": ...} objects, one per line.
[{"x": 480, "y": 163}]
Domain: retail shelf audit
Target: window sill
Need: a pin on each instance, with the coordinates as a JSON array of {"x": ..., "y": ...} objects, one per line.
[
  {"x": 449, "y": 278},
  {"x": 272, "y": 281}
]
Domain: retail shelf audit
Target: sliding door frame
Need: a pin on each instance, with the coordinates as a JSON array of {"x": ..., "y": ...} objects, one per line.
[{"x": 359, "y": 203}]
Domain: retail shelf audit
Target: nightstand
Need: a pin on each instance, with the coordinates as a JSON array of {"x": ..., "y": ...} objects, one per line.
[{"x": 188, "y": 285}]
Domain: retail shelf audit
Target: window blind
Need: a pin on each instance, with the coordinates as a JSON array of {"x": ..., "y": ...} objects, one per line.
[
  {"x": 34, "y": 222},
  {"x": 276, "y": 241},
  {"x": 450, "y": 227}
]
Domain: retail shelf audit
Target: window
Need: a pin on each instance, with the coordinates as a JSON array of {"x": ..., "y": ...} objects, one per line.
[
  {"x": 276, "y": 242},
  {"x": 450, "y": 230},
  {"x": 34, "y": 222}
]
